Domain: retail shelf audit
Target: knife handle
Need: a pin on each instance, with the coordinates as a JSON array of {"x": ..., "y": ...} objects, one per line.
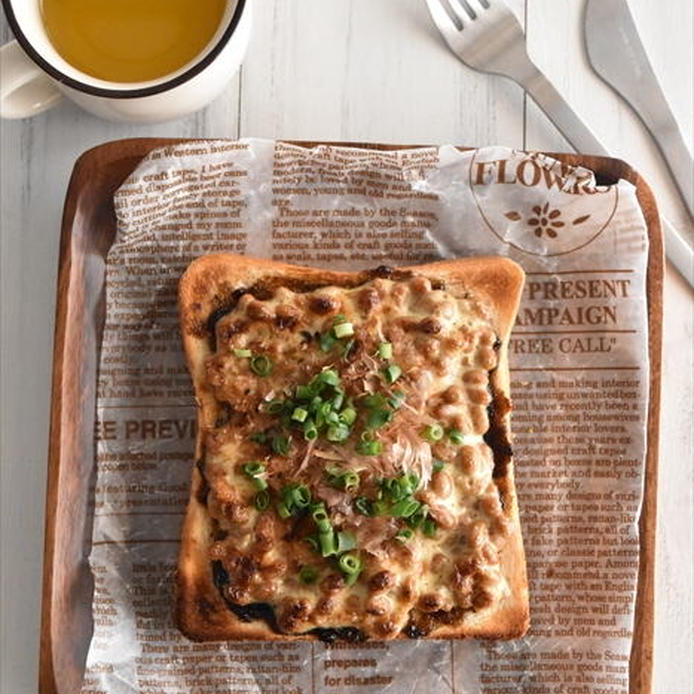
[
  {"x": 617, "y": 55},
  {"x": 568, "y": 122}
]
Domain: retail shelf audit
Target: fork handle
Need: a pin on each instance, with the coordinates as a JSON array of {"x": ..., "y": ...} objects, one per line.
[
  {"x": 679, "y": 250},
  {"x": 562, "y": 115}
]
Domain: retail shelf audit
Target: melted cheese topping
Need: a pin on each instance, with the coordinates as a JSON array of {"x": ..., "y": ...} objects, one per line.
[{"x": 445, "y": 348}]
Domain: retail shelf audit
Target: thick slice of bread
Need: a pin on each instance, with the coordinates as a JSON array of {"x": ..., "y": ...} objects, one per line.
[{"x": 448, "y": 324}]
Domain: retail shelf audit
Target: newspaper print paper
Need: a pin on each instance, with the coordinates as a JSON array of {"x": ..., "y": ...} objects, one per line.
[{"x": 579, "y": 375}]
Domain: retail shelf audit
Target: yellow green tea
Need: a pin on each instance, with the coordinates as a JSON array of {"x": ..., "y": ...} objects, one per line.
[{"x": 130, "y": 40}]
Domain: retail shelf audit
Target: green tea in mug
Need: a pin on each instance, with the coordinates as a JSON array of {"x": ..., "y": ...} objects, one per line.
[{"x": 130, "y": 40}]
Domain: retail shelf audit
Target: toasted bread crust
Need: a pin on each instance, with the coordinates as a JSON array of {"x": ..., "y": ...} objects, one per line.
[{"x": 207, "y": 289}]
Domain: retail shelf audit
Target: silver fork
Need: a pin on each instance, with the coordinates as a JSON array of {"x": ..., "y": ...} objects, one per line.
[{"x": 486, "y": 35}]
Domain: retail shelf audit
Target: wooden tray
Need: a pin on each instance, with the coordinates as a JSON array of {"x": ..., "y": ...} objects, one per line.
[{"x": 88, "y": 230}]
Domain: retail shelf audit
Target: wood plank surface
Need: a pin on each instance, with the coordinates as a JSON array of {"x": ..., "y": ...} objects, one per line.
[
  {"x": 347, "y": 69},
  {"x": 368, "y": 71}
]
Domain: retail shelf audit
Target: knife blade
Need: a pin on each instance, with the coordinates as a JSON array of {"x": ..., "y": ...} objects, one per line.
[{"x": 617, "y": 55}]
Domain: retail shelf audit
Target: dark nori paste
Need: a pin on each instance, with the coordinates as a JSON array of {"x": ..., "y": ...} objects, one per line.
[{"x": 262, "y": 611}]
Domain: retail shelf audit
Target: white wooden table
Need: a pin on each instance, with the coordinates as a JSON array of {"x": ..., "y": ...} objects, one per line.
[{"x": 356, "y": 70}]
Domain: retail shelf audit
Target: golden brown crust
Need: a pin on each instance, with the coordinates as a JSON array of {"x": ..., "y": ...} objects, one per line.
[{"x": 207, "y": 287}]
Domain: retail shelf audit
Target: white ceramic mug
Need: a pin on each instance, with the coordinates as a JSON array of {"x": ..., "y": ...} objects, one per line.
[{"x": 34, "y": 77}]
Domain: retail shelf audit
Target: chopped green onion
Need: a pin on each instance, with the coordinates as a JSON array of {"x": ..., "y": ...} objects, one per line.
[
  {"x": 392, "y": 488},
  {"x": 258, "y": 437},
  {"x": 315, "y": 409},
  {"x": 329, "y": 377},
  {"x": 324, "y": 527},
  {"x": 343, "y": 330},
  {"x": 416, "y": 519},
  {"x": 392, "y": 372},
  {"x": 400, "y": 487},
  {"x": 337, "y": 433},
  {"x": 405, "y": 534},
  {"x": 405, "y": 508},
  {"x": 319, "y": 513},
  {"x": 259, "y": 483},
  {"x": 433, "y": 432},
  {"x": 327, "y": 342},
  {"x": 412, "y": 480},
  {"x": 345, "y": 541},
  {"x": 351, "y": 566},
  {"x": 303, "y": 393},
  {"x": 287, "y": 495},
  {"x": 349, "y": 563},
  {"x": 253, "y": 468},
  {"x": 378, "y": 418},
  {"x": 404, "y": 487},
  {"x": 379, "y": 508},
  {"x": 299, "y": 414},
  {"x": 350, "y": 480},
  {"x": 348, "y": 347},
  {"x": 322, "y": 410},
  {"x": 297, "y": 495},
  {"x": 438, "y": 465},
  {"x": 369, "y": 447},
  {"x": 261, "y": 365},
  {"x": 396, "y": 399},
  {"x": 375, "y": 401},
  {"x": 327, "y": 544},
  {"x": 310, "y": 431},
  {"x": 339, "y": 318},
  {"x": 385, "y": 350},
  {"x": 243, "y": 353},
  {"x": 429, "y": 527},
  {"x": 275, "y": 406},
  {"x": 347, "y": 480},
  {"x": 308, "y": 575},
  {"x": 348, "y": 416},
  {"x": 456, "y": 436},
  {"x": 333, "y": 472},
  {"x": 282, "y": 510},
  {"x": 280, "y": 444},
  {"x": 262, "y": 500},
  {"x": 363, "y": 505}
]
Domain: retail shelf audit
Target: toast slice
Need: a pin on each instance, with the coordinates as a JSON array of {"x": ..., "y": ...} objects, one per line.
[{"x": 354, "y": 473}]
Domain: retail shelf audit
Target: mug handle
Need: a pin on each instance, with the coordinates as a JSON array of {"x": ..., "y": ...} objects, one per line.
[{"x": 25, "y": 89}]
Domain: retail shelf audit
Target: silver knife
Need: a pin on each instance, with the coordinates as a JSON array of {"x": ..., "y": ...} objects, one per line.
[{"x": 617, "y": 55}]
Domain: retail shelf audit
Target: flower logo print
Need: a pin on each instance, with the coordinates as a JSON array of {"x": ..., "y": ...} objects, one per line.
[
  {"x": 545, "y": 221},
  {"x": 555, "y": 209}
]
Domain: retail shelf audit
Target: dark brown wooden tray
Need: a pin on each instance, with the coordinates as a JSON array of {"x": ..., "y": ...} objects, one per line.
[{"x": 88, "y": 230}]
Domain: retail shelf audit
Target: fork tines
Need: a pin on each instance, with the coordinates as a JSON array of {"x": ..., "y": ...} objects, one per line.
[{"x": 459, "y": 12}]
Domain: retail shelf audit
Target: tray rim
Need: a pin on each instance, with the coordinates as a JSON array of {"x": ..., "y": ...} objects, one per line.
[{"x": 66, "y": 394}]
